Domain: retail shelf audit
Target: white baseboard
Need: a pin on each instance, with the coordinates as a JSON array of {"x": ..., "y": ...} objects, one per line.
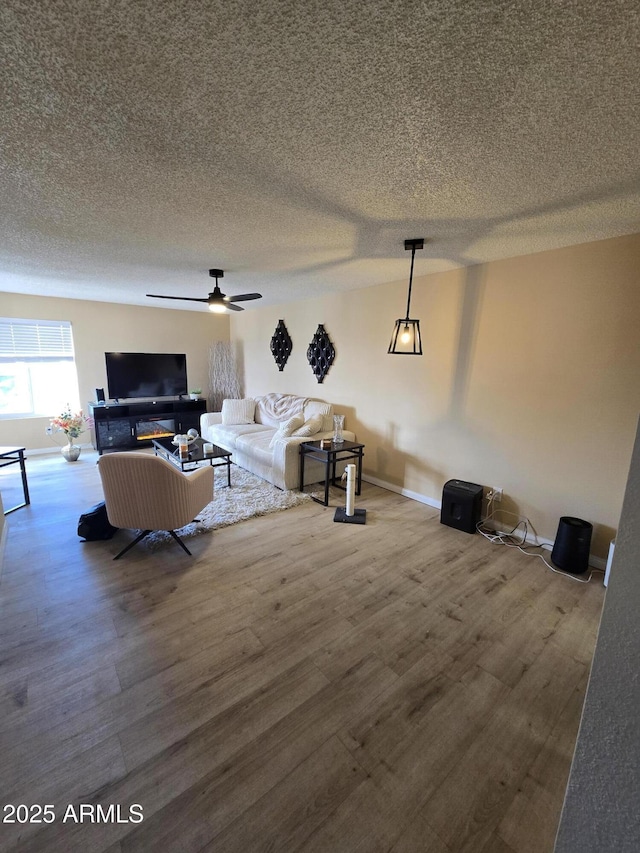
[
  {"x": 46, "y": 451},
  {"x": 406, "y": 493},
  {"x": 596, "y": 562}
]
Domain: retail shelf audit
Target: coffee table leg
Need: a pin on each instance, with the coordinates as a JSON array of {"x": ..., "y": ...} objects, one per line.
[{"x": 229, "y": 471}]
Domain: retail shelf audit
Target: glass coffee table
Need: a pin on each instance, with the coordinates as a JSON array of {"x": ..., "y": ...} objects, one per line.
[{"x": 166, "y": 448}]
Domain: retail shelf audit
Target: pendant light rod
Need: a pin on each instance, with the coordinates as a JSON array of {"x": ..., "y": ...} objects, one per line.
[
  {"x": 406, "y": 339},
  {"x": 413, "y": 245}
]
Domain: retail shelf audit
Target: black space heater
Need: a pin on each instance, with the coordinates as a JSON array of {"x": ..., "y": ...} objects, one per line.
[
  {"x": 571, "y": 548},
  {"x": 461, "y": 505}
]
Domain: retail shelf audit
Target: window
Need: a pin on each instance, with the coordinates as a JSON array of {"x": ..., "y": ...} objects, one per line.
[{"x": 37, "y": 368}]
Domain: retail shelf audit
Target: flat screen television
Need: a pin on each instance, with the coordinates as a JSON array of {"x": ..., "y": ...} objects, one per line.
[{"x": 145, "y": 374}]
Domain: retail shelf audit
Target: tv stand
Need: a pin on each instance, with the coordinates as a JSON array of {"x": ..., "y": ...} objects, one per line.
[{"x": 123, "y": 426}]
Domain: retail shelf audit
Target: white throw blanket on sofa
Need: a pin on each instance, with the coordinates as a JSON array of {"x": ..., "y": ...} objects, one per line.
[{"x": 280, "y": 407}]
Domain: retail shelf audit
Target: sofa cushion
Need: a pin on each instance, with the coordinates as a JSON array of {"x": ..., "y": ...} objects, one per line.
[
  {"x": 238, "y": 411},
  {"x": 310, "y": 427},
  {"x": 226, "y": 436},
  {"x": 287, "y": 428},
  {"x": 257, "y": 445},
  {"x": 317, "y": 407}
]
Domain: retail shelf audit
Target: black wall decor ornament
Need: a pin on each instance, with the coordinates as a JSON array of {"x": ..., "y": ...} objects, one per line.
[
  {"x": 320, "y": 353},
  {"x": 281, "y": 345}
]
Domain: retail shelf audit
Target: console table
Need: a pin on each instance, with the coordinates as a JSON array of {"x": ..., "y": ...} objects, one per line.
[
  {"x": 13, "y": 456},
  {"x": 338, "y": 452},
  {"x": 122, "y": 426}
]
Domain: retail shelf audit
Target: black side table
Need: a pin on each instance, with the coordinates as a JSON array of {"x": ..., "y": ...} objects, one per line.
[
  {"x": 13, "y": 456},
  {"x": 338, "y": 452}
]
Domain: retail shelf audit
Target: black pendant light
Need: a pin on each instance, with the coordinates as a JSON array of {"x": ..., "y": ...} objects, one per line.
[{"x": 406, "y": 338}]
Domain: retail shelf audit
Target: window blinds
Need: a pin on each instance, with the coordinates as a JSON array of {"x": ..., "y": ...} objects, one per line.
[{"x": 35, "y": 339}]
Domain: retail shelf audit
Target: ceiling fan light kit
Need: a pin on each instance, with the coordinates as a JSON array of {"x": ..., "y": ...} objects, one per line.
[
  {"x": 216, "y": 301},
  {"x": 406, "y": 338}
]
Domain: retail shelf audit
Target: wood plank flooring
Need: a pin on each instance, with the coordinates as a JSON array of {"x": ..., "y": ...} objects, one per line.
[{"x": 296, "y": 685}]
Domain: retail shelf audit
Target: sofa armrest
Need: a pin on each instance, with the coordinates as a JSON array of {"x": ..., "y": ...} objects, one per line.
[
  {"x": 209, "y": 419},
  {"x": 348, "y": 435},
  {"x": 286, "y": 456}
]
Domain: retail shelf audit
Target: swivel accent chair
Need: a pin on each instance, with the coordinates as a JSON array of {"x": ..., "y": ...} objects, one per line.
[{"x": 145, "y": 492}]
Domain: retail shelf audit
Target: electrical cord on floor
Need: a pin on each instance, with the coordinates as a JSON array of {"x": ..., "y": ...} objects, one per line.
[{"x": 517, "y": 537}]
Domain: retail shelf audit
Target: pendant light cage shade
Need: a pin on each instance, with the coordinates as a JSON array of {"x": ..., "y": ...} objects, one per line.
[{"x": 406, "y": 339}]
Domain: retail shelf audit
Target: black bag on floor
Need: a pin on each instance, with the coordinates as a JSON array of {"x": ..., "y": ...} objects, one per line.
[{"x": 94, "y": 524}]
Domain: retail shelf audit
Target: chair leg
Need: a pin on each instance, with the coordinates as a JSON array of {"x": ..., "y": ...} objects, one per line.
[
  {"x": 131, "y": 544},
  {"x": 180, "y": 542}
]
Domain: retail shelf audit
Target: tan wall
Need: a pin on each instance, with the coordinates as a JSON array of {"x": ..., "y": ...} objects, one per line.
[
  {"x": 529, "y": 381},
  {"x": 100, "y": 327}
]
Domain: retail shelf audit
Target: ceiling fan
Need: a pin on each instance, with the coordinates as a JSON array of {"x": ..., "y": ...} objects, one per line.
[{"x": 216, "y": 300}]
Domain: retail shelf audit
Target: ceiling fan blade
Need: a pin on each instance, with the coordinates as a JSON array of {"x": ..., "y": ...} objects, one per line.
[
  {"x": 216, "y": 297},
  {"x": 187, "y": 298},
  {"x": 243, "y": 297}
]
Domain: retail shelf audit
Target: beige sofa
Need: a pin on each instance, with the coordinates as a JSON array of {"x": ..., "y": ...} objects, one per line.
[{"x": 264, "y": 435}]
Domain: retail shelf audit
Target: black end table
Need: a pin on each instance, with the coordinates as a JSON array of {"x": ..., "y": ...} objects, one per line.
[
  {"x": 330, "y": 456},
  {"x": 166, "y": 448},
  {"x": 13, "y": 456}
]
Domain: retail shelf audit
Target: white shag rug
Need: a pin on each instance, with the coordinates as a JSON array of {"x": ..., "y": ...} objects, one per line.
[{"x": 249, "y": 496}]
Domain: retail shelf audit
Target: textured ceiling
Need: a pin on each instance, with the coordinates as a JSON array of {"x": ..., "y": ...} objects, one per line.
[{"x": 297, "y": 144}]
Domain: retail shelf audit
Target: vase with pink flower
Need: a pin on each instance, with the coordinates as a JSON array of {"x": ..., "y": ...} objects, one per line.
[{"x": 72, "y": 425}]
